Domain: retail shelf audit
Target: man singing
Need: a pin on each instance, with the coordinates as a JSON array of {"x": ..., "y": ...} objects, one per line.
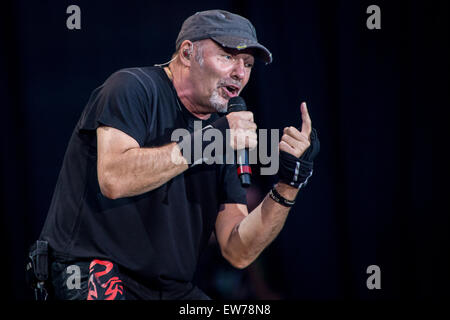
[{"x": 131, "y": 212}]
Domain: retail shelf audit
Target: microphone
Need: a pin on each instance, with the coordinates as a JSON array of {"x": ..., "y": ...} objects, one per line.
[{"x": 244, "y": 170}]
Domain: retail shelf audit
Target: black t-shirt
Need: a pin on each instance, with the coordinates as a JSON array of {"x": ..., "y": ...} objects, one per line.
[{"x": 156, "y": 237}]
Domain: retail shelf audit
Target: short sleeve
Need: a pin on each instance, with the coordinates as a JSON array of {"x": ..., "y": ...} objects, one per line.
[
  {"x": 232, "y": 190},
  {"x": 122, "y": 102}
]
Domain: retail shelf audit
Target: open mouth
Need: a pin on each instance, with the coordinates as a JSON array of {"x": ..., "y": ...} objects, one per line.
[{"x": 232, "y": 91}]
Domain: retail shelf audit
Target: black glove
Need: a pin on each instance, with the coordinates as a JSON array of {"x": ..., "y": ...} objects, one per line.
[{"x": 296, "y": 171}]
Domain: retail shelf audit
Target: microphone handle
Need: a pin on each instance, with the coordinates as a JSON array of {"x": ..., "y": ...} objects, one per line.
[{"x": 244, "y": 170}]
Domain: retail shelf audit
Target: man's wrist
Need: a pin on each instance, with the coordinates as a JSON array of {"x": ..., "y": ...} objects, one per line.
[
  {"x": 283, "y": 194},
  {"x": 177, "y": 155},
  {"x": 286, "y": 190}
]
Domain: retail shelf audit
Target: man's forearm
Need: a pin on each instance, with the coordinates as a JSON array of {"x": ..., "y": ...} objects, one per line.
[
  {"x": 140, "y": 170},
  {"x": 257, "y": 230}
]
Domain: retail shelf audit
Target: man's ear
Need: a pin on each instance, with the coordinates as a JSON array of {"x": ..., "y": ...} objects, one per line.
[{"x": 186, "y": 52}]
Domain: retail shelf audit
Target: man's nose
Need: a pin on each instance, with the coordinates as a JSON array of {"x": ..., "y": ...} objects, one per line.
[{"x": 238, "y": 72}]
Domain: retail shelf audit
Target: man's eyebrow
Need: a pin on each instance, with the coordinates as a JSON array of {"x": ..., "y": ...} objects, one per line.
[
  {"x": 226, "y": 50},
  {"x": 235, "y": 52}
]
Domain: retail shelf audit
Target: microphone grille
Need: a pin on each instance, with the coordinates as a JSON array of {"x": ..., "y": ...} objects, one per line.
[{"x": 236, "y": 104}]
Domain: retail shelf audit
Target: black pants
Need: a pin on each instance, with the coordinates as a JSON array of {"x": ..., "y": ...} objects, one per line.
[{"x": 103, "y": 280}]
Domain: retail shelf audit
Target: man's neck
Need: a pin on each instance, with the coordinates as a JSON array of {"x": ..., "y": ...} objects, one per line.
[{"x": 177, "y": 79}]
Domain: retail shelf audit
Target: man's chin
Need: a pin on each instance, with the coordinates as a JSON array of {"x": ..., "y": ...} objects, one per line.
[
  {"x": 219, "y": 103},
  {"x": 221, "y": 109}
]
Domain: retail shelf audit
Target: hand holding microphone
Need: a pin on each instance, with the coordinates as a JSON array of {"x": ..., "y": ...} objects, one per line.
[{"x": 242, "y": 136}]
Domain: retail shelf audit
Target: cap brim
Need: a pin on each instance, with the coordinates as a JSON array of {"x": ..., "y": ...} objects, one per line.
[{"x": 261, "y": 52}]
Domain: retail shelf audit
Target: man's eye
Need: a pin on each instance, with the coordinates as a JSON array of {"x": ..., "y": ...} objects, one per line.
[
  {"x": 249, "y": 65},
  {"x": 228, "y": 57}
]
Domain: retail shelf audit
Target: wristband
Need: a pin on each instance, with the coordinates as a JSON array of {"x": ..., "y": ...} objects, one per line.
[
  {"x": 294, "y": 171},
  {"x": 273, "y": 193}
]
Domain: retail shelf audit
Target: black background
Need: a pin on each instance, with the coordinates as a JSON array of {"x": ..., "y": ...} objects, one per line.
[{"x": 377, "y": 98}]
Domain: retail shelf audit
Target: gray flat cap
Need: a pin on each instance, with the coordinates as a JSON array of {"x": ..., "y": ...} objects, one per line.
[{"x": 227, "y": 29}]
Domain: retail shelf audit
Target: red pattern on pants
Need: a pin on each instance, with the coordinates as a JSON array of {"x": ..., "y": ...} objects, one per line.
[{"x": 104, "y": 283}]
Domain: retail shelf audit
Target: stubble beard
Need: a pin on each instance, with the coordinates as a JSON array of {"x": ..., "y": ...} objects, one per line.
[{"x": 217, "y": 101}]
